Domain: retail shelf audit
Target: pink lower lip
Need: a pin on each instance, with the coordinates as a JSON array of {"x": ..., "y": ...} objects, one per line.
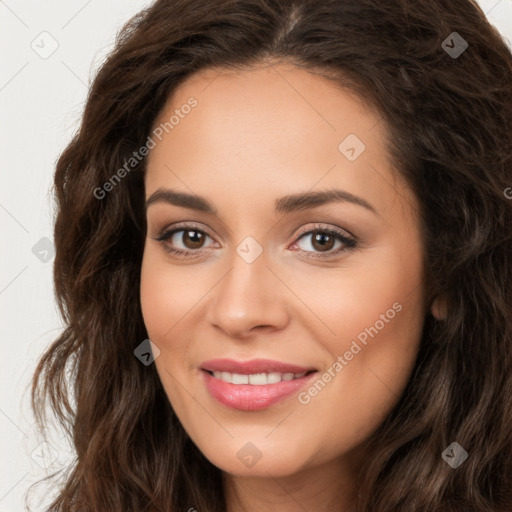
[{"x": 246, "y": 397}]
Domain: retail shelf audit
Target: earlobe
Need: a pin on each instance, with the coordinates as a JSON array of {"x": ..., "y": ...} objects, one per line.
[{"x": 439, "y": 307}]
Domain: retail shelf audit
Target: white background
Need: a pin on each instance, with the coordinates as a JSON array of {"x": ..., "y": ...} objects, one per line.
[{"x": 41, "y": 100}]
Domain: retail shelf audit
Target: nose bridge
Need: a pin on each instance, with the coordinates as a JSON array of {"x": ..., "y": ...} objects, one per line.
[
  {"x": 242, "y": 281},
  {"x": 245, "y": 298}
]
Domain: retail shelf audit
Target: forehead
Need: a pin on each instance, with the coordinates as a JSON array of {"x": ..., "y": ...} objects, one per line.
[{"x": 266, "y": 131}]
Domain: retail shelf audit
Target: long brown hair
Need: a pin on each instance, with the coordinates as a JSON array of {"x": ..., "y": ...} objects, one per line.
[{"x": 449, "y": 121}]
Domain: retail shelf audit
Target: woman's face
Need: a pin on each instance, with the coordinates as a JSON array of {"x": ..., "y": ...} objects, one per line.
[{"x": 299, "y": 250}]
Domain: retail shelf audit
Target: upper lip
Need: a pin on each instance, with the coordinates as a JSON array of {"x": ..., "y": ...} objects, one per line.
[{"x": 253, "y": 366}]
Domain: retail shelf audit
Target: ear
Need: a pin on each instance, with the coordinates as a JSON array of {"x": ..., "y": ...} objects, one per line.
[{"x": 439, "y": 307}]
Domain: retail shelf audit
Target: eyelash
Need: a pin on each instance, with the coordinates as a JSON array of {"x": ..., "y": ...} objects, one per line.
[{"x": 349, "y": 242}]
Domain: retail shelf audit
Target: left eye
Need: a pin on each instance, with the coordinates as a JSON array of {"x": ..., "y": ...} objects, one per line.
[{"x": 322, "y": 241}]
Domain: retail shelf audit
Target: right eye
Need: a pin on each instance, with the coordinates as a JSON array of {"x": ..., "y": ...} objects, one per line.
[{"x": 185, "y": 240}]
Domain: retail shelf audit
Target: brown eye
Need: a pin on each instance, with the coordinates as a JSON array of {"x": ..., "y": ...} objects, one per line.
[
  {"x": 326, "y": 241},
  {"x": 192, "y": 239},
  {"x": 322, "y": 241},
  {"x": 185, "y": 239}
]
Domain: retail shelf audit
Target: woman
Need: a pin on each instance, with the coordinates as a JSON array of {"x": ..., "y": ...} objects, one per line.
[{"x": 283, "y": 256}]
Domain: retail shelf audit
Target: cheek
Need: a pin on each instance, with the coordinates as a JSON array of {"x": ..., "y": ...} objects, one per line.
[
  {"x": 156, "y": 295},
  {"x": 376, "y": 331},
  {"x": 165, "y": 300},
  {"x": 354, "y": 302},
  {"x": 375, "y": 359},
  {"x": 167, "y": 294},
  {"x": 372, "y": 317}
]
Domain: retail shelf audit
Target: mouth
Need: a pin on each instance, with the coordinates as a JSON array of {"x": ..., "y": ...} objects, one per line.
[{"x": 253, "y": 385}]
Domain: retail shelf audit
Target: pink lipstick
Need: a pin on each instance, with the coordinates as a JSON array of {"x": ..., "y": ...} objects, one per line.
[{"x": 253, "y": 385}]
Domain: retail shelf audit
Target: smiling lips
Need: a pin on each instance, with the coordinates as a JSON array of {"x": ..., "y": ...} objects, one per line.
[{"x": 253, "y": 385}]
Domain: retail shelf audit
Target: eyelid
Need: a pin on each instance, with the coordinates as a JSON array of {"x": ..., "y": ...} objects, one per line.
[
  {"x": 323, "y": 227},
  {"x": 183, "y": 225}
]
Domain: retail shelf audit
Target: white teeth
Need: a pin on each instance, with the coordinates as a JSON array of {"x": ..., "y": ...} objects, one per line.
[
  {"x": 238, "y": 378},
  {"x": 273, "y": 378},
  {"x": 257, "y": 379}
]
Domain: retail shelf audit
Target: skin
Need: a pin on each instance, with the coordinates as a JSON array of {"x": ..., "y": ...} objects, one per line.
[{"x": 255, "y": 136}]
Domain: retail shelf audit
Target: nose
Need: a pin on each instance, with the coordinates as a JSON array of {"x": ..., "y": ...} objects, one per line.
[{"x": 247, "y": 300}]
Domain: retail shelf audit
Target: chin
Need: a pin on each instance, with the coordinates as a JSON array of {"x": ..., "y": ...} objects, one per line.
[{"x": 248, "y": 460}]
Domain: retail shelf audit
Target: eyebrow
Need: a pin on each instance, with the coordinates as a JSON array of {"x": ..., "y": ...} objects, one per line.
[
  {"x": 286, "y": 204},
  {"x": 298, "y": 202}
]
